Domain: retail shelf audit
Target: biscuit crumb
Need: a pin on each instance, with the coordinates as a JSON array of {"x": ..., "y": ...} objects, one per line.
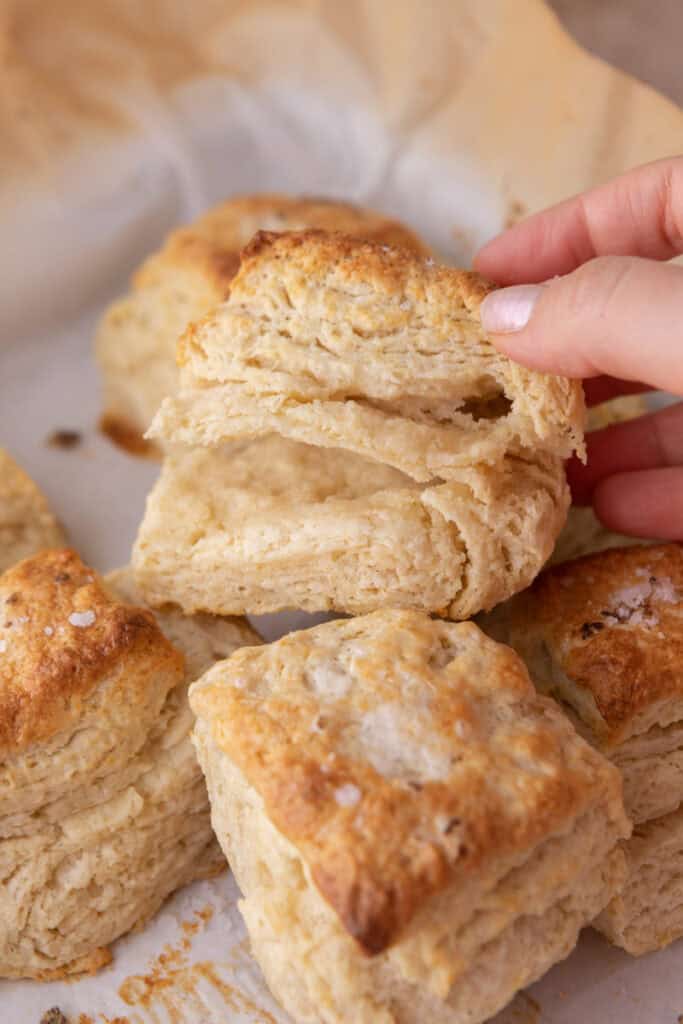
[
  {"x": 64, "y": 439},
  {"x": 82, "y": 619}
]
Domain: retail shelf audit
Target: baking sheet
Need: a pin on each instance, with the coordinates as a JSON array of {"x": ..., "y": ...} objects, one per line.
[{"x": 458, "y": 121}]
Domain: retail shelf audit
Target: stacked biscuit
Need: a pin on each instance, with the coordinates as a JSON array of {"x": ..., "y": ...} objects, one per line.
[
  {"x": 604, "y": 636},
  {"x": 400, "y": 459}
]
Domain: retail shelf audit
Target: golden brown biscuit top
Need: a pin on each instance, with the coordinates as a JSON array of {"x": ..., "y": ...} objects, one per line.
[
  {"x": 367, "y": 269},
  {"x": 60, "y": 634},
  {"x": 605, "y": 634},
  {"x": 211, "y": 245},
  {"x": 400, "y": 755}
]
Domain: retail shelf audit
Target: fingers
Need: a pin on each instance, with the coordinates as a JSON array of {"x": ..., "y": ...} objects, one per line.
[
  {"x": 618, "y": 316},
  {"x": 638, "y": 214},
  {"x": 648, "y": 442},
  {"x": 644, "y": 504}
]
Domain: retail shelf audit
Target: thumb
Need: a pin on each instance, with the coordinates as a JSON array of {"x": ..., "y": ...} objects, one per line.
[{"x": 615, "y": 315}]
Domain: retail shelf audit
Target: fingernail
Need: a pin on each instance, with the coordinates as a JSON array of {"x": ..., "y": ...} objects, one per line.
[{"x": 509, "y": 309}]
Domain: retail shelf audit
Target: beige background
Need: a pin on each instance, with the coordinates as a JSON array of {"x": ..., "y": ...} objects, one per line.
[{"x": 644, "y": 37}]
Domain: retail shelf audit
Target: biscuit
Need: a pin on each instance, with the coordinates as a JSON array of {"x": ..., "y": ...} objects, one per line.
[
  {"x": 103, "y": 809},
  {"x": 416, "y": 833},
  {"x": 603, "y": 635},
  {"x": 332, "y": 341},
  {"x": 583, "y": 532},
  {"x": 648, "y": 913},
  {"x": 280, "y": 524},
  {"x": 191, "y": 273},
  {"x": 26, "y": 523}
]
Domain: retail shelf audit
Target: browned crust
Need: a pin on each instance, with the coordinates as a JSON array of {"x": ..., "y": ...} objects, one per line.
[
  {"x": 127, "y": 436},
  {"x": 82, "y": 966},
  {"x": 628, "y": 664},
  {"x": 388, "y": 267},
  {"x": 388, "y": 270},
  {"x": 414, "y": 838},
  {"x": 48, "y": 664}
]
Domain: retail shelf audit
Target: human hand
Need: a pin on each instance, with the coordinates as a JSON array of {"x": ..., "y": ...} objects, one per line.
[{"x": 608, "y": 313}]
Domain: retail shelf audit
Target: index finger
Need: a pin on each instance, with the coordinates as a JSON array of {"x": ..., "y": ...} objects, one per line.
[{"x": 637, "y": 214}]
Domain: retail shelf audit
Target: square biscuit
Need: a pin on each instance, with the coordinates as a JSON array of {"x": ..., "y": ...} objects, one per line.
[
  {"x": 26, "y": 523},
  {"x": 337, "y": 342},
  {"x": 191, "y": 273},
  {"x": 604, "y": 636},
  {"x": 103, "y": 808},
  {"x": 417, "y": 834},
  {"x": 279, "y": 524}
]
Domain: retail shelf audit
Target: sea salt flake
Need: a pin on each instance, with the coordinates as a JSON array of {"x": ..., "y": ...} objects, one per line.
[
  {"x": 462, "y": 729},
  {"x": 3, "y": 646},
  {"x": 347, "y": 795},
  {"x": 82, "y": 619},
  {"x": 48, "y": 631}
]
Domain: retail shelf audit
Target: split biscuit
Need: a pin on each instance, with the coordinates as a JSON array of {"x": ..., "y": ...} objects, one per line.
[
  {"x": 416, "y": 833},
  {"x": 190, "y": 274}
]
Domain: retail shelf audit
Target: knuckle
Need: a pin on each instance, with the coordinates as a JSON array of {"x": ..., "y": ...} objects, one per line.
[{"x": 598, "y": 287}]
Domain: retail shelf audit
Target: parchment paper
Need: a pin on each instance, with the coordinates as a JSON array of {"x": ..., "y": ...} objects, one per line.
[{"x": 120, "y": 119}]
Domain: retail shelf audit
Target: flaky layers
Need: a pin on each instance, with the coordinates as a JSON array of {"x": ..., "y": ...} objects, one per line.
[
  {"x": 648, "y": 912},
  {"x": 103, "y": 810},
  {"x": 26, "y": 523},
  {"x": 405, "y": 817},
  {"x": 604, "y": 636},
  {"x": 189, "y": 275},
  {"x": 347, "y": 344},
  {"x": 279, "y": 524}
]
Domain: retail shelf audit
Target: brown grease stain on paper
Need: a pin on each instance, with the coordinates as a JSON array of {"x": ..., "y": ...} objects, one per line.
[{"x": 171, "y": 988}]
